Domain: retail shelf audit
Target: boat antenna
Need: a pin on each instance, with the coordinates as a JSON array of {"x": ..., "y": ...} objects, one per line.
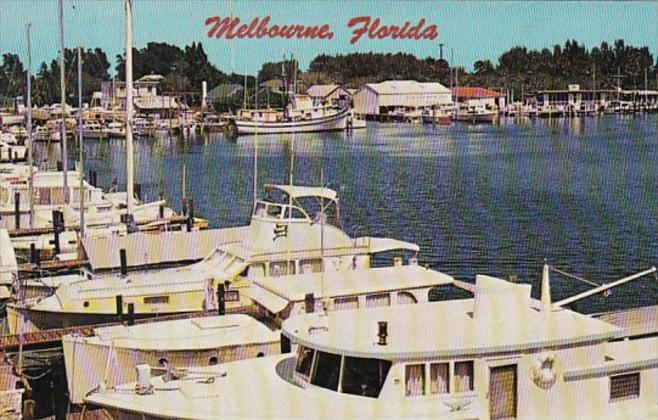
[
  {"x": 129, "y": 107},
  {"x": 62, "y": 82},
  {"x": 80, "y": 152},
  {"x": 29, "y": 127}
]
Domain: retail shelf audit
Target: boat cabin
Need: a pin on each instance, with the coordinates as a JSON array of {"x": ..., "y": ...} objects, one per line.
[
  {"x": 500, "y": 355},
  {"x": 281, "y": 297}
]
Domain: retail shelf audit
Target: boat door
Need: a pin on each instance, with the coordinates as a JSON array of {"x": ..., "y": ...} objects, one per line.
[{"x": 502, "y": 392}]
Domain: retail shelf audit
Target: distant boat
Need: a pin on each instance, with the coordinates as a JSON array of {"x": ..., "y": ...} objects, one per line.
[
  {"x": 302, "y": 121},
  {"x": 475, "y": 114}
]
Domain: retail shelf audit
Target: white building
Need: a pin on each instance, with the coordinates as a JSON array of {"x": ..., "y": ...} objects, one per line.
[
  {"x": 400, "y": 97},
  {"x": 329, "y": 94}
]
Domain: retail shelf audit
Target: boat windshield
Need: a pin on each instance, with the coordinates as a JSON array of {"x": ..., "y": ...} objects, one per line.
[
  {"x": 270, "y": 210},
  {"x": 349, "y": 375}
]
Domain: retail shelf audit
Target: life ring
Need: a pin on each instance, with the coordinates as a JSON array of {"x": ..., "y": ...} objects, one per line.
[{"x": 544, "y": 370}]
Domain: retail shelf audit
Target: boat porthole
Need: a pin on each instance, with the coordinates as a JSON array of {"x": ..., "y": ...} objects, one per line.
[
  {"x": 260, "y": 354},
  {"x": 85, "y": 303},
  {"x": 163, "y": 362},
  {"x": 212, "y": 361}
]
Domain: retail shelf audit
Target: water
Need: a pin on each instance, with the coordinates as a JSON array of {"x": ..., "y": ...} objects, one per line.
[
  {"x": 483, "y": 199},
  {"x": 486, "y": 199}
]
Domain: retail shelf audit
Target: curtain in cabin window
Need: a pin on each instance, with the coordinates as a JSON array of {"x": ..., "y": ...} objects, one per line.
[
  {"x": 373, "y": 301},
  {"x": 439, "y": 378},
  {"x": 405, "y": 298},
  {"x": 415, "y": 380},
  {"x": 342, "y": 304},
  {"x": 463, "y": 376}
]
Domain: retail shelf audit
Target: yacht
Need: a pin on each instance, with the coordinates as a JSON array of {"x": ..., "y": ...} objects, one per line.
[
  {"x": 295, "y": 229},
  {"x": 188, "y": 344},
  {"x": 500, "y": 355},
  {"x": 173, "y": 344}
]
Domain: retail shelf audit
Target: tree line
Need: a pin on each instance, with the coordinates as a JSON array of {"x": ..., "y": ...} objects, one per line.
[{"x": 601, "y": 67}]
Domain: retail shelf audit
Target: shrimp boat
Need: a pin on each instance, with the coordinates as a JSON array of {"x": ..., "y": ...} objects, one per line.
[
  {"x": 252, "y": 121},
  {"x": 282, "y": 238},
  {"x": 500, "y": 355},
  {"x": 187, "y": 343}
]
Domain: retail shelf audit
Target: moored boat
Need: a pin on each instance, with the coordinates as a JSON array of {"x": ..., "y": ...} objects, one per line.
[{"x": 500, "y": 355}]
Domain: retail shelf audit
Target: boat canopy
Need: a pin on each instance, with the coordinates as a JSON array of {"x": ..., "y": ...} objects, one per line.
[
  {"x": 296, "y": 191},
  {"x": 376, "y": 245}
]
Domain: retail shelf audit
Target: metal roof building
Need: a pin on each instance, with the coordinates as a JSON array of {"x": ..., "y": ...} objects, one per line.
[{"x": 380, "y": 98}]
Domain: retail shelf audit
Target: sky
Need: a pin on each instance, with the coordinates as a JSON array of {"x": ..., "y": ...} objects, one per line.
[{"x": 470, "y": 30}]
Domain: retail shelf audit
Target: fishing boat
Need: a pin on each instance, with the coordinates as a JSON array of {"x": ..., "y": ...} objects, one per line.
[
  {"x": 299, "y": 121},
  {"x": 475, "y": 114},
  {"x": 294, "y": 229},
  {"x": 500, "y": 355}
]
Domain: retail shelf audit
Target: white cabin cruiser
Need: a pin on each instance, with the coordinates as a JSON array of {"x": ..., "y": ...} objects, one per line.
[
  {"x": 501, "y": 355},
  {"x": 281, "y": 297},
  {"x": 282, "y": 238},
  {"x": 100, "y": 208},
  {"x": 180, "y": 343}
]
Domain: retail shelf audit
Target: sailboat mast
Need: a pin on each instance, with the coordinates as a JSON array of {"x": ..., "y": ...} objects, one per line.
[
  {"x": 81, "y": 167},
  {"x": 62, "y": 81},
  {"x": 30, "y": 180},
  {"x": 129, "y": 107}
]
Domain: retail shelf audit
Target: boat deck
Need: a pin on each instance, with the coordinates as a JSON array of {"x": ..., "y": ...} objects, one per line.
[{"x": 636, "y": 322}]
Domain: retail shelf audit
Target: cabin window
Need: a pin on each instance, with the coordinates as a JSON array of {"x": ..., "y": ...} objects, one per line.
[
  {"x": 260, "y": 209},
  {"x": 42, "y": 196},
  {"x": 57, "y": 195},
  {"x": 364, "y": 376},
  {"x": 231, "y": 296},
  {"x": 294, "y": 213},
  {"x": 414, "y": 380},
  {"x": 311, "y": 266},
  {"x": 373, "y": 301},
  {"x": 155, "y": 300},
  {"x": 256, "y": 271},
  {"x": 345, "y": 303},
  {"x": 624, "y": 387},
  {"x": 405, "y": 298},
  {"x": 304, "y": 361},
  {"x": 274, "y": 210},
  {"x": 281, "y": 268},
  {"x": 327, "y": 371},
  {"x": 464, "y": 376},
  {"x": 439, "y": 378}
]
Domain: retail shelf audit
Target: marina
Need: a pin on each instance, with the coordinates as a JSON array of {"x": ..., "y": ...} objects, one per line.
[{"x": 345, "y": 235}]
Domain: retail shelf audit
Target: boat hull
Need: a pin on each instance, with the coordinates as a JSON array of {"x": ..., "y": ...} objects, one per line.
[{"x": 333, "y": 122}]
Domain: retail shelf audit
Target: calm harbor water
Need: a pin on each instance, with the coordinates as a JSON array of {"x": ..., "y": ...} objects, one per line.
[{"x": 483, "y": 199}]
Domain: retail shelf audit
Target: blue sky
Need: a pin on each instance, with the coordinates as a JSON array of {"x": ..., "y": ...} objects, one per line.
[{"x": 472, "y": 29}]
